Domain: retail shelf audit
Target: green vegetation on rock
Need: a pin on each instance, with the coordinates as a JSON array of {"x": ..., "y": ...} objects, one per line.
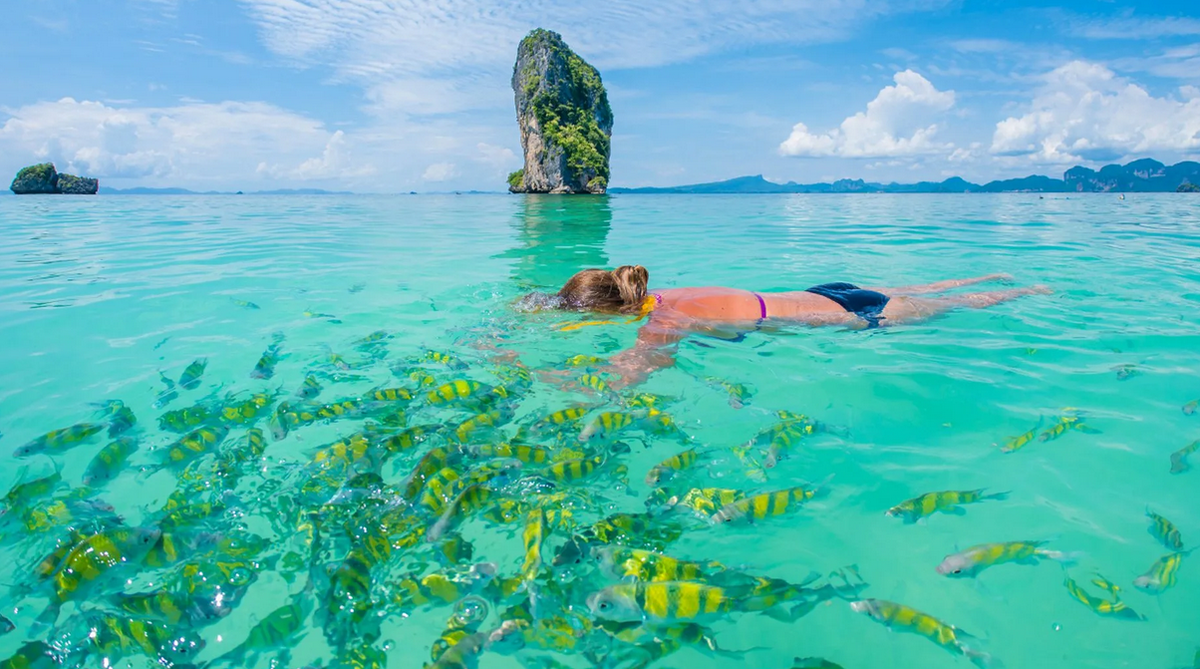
[
  {"x": 1188, "y": 188},
  {"x": 516, "y": 180},
  {"x": 39, "y": 172}
]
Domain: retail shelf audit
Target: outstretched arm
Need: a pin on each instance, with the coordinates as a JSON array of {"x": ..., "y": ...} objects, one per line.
[{"x": 657, "y": 342}]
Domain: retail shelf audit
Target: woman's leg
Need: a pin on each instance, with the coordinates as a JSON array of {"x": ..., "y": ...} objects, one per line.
[
  {"x": 902, "y": 309},
  {"x": 941, "y": 286}
]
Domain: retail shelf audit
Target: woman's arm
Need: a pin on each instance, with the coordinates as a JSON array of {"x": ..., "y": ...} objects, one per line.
[{"x": 655, "y": 349}]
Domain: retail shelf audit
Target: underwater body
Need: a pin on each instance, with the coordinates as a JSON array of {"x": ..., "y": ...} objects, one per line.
[{"x": 316, "y": 432}]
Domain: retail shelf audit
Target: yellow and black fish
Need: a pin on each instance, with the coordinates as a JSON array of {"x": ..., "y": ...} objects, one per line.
[
  {"x": 109, "y": 462},
  {"x": 1164, "y": 531},
  {"x": 906, "y": 619},
  {"x": 190, "y": 379},
  {"x": 1018, "y": 442},
  {"x": 1179, "y": 462},
  {"x": 766, "y": 505},
  {"x": 946, "y": 501},
  {"x": 59, "y": 441},
  {"x": 195, "y": 444},
  {"x": 1114, "y": 608},
  {"x": 672, "y": 465},
  {"x": 265, "y": 367},
  {"x": 1163, "y": 574}
]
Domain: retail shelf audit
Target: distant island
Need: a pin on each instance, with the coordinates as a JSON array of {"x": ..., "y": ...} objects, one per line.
[
  {"x": 1140, "y": 176},
  {"x": 44, "y": 179}
]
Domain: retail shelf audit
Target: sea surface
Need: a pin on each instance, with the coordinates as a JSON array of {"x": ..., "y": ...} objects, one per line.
[{"x": 102, "y": 298}]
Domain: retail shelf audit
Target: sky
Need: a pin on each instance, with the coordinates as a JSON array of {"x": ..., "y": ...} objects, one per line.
[{"x": 414, "y": 95}]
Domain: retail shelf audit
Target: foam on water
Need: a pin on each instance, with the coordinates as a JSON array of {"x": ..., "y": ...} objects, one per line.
[{"x": 99, "y": 294}]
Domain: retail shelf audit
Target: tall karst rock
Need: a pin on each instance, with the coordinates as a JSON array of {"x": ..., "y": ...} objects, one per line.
[{"x": 565, "y": 120}]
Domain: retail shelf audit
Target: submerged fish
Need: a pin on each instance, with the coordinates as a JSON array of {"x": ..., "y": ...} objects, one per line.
[
  {"x": 310, "y": 388},
  {"x": 906, "y": 619},
  {"x": 1179, "y": 463},
  {"x": 109, "y": 462},
  {"x": 970, "y": 562},
  {"x": 1113, "y": 608},
  {"x": 1162, "y": 575},
  {"x": 661, "y": 602},
  {"x": 1164, "y": 531},
  {"x": 672, "y": 465},
  {"x": 244, "y": 304},
  {"x": 59, "y": 441},
  {"x": 948, "y": 501},
  {"x": 265, "y": 367},
  {"x": 766, "y": 505},
  {"x": 1190, "y": 407},
  {"x": 190, "y": 379},
  {"x": 1020, "y": 441}
]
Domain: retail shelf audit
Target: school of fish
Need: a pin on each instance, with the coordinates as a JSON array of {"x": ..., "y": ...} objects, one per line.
[{"x": 366, "y": 489}]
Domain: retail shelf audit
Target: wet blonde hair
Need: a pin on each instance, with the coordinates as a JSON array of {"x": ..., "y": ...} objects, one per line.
[{"x": 620, "y": 291}]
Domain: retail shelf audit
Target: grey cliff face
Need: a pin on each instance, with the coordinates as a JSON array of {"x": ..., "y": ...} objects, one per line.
[
  {"x": 564, "y": 118},
  {"x": 36, "y": 179},
  {"x": 44, "y": 179}
]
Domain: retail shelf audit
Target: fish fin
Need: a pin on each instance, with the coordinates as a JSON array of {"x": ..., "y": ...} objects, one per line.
[
  {"x": 1085, "y": 428},
  {"x": 997, "y": 495},
  {"x": 954, "y": 511}
]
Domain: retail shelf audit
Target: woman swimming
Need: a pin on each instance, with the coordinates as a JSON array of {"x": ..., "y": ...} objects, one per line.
[{"x": 728, "y": 312}]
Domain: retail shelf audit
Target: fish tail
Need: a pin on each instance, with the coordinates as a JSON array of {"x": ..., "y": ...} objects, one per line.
[
  {"x": 995, "y": 495},
  {"x": 981, "y": 659},
  {"x": 822, "y": 489},
  {"x": 1070, "y": 559},
  {"x": 46, "y": 619}
]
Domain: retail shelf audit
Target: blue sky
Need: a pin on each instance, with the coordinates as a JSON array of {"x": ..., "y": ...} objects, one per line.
[{"x": 400, "y": 95}]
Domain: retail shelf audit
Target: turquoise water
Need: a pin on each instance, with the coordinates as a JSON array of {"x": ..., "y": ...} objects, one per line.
[{"x": 98, "y": 295}]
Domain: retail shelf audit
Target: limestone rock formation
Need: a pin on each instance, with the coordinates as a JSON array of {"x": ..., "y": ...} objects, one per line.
[
  {"x": 565, "y": 120},
  {"x": 69, "y": 184},
  {"x": 34, "y": 179},
  {"x": 44, "y": 179}
]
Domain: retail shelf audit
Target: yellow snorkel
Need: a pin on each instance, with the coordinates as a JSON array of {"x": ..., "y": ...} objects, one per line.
[{"x": 648, "y": 305}]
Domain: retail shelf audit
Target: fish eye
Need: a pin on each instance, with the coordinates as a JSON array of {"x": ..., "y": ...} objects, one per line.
[
  {"x": 957, "y": 571},
  {"x": 604, "y": 606}
]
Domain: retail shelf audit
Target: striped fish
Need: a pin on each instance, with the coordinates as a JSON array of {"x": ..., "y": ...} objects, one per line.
[
  {"x": 1164, "y": 531},
  {"x": 947, "y": 501},
  {"x": 661, "y": 602},
  {"x": 766, "y": 505},
  {"x": 1101, "y": 607},
  {"x": 672, "y": 465},
  {"x": 1179, "y": 463},
  {"x": 906, "y": 619},
  {"x": 1162, "y": 575}
]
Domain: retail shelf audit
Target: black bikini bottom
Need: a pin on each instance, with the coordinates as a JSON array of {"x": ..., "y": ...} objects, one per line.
[{"x": 866, "y": 304}]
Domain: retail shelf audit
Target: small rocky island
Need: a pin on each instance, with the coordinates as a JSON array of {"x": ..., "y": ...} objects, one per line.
[
  {"x": 44, "y": 179},
  {"x": 565, "y": 120}
]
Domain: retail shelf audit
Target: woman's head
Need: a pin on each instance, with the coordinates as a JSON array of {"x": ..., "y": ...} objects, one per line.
[{"x": 621, "y": 290}]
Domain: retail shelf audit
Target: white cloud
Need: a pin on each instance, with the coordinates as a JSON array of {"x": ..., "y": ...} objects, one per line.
[
  {"x": 896, "y": 123},
  {"x": 440, "y": 172},
  {"x": 193, "y": 141},
  {"x": 1139, "y": 28},
  {"x": 1083, "y": 111},
  {"x": 437, "y": 48},
  {"x": 499, "y": 157}
]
